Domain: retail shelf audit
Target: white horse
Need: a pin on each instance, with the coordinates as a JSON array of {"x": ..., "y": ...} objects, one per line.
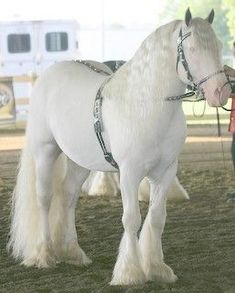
[{"x": 144, "y": 131}]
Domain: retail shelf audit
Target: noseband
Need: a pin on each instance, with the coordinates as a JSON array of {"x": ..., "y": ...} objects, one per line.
[{"x": 195, "y": 87}]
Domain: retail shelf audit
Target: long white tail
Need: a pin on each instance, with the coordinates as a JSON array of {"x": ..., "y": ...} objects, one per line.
[{"x": 25, "y": 230}]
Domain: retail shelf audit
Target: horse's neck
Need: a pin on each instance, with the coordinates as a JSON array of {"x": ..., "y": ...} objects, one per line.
[
  {"x": 151, "y": 74},
  {"x": 155, "y": 64}
]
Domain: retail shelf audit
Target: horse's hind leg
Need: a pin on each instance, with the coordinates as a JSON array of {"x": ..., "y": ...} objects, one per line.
[
  {"x": 45, "y": 157},
  {"x": 75, "y": 177},
  {"x": 150, "y": 237}
]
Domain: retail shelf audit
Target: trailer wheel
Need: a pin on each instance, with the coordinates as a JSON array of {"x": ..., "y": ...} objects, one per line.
[
  {"x": 6, "y": 96},
  {"x": 7, "y": 102}
]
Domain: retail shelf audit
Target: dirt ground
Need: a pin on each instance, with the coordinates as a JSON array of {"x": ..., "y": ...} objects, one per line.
[{"x": 199, "y": 239}]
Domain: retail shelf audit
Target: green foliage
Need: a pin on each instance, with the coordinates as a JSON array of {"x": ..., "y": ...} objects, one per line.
[
  {"x": 177, "y": 8},
  {"x": 230, "y": 6}
]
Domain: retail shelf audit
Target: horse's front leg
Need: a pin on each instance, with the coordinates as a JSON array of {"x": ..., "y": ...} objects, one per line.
[
  {"x": 152, "y": 260},
  {"x": 127, "y": 269}
]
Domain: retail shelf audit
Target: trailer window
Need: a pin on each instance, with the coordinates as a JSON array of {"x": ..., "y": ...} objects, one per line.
[
  {"x": 18, "y": 43},
  {"x": 56, "y": 41}
]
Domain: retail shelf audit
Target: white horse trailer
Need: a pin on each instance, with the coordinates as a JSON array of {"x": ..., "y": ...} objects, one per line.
[{"x": 26, "y": 49}]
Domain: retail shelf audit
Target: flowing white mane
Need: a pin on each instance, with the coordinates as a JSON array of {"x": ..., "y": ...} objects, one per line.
[
  {"x": 147, "y": 67},
  {"x": 147, "y": 78}
]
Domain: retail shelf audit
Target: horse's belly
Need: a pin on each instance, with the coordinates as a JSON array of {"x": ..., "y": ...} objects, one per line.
[
  {"x": 81, "y": 145},
  {"x": 83, "y": 151}
]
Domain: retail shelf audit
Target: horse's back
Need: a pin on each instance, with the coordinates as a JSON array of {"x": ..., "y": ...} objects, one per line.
[{"x": 57, "y": 78}]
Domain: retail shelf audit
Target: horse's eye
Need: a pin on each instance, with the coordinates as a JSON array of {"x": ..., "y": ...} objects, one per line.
[{"x": 192, "y": 49}]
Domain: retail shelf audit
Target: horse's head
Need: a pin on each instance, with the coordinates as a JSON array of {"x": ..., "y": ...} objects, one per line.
[{"x": 199, "y": 59}]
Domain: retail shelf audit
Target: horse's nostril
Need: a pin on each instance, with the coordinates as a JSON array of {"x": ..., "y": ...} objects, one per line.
[
  {"x": 222, "y": 94},
  {"x": 217, "y": 92}
]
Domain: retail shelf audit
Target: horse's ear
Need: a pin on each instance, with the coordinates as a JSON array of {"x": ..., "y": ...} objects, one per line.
[
  {"x": 211, "y": 16},
  {"x": 188, "y": 17}
]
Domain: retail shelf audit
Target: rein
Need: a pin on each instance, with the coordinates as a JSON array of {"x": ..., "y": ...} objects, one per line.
[{"x": 195, "y": 88}]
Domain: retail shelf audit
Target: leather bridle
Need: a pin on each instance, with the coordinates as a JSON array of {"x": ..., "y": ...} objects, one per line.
[{"x": 195, "y": 87}]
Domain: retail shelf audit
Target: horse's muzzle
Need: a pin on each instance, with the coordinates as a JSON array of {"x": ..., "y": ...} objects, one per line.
[{"x": 220, "y": 96}]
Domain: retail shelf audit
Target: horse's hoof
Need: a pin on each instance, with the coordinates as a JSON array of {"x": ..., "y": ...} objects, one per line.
[
  {"x": 81, "y": 261},
  {"x": 76, "y": 256},
  {"x": 40, "y": 262},
  {"x": 43, "y": 258},
  {"x": 48, "y": 262},
  {"x": 29, "y": 262},
  {"x": 162, "y": 273},
  {"x": 130, "y": 276}
]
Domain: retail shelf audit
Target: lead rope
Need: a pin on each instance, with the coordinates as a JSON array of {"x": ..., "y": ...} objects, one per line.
[
  {"x": 232, "y": 84},
  {"x": 220, "y": 136},
  {"x": 222, "y": 147}
]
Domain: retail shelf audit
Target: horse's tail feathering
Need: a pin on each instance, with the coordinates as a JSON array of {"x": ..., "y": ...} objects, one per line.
[
  {"x": 175, "y": 193},
  {"x": 25, "y": 230}
]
